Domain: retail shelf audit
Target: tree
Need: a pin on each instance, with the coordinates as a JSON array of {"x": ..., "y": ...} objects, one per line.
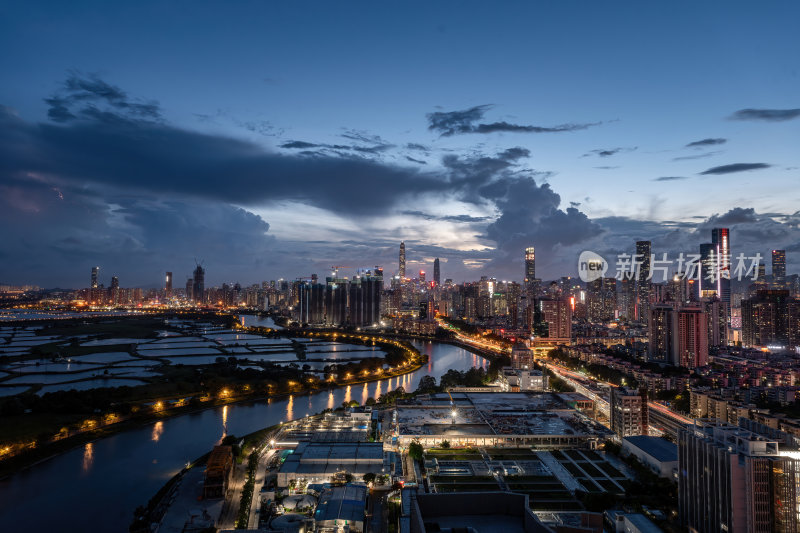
[
  {"x": 369, "y": 477},
  {"x": 415, "y": 450},
  {"x": 445, "y": 444},
  {"x": 426, "y": 385}
]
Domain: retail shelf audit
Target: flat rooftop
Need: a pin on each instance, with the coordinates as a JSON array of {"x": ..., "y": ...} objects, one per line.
[{"x": 656, "y": 447}]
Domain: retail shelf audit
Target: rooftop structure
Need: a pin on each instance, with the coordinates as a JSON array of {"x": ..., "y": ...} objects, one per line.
[
  {"x": 341, "y": 509},
  {"x": 326, "y": 461}
]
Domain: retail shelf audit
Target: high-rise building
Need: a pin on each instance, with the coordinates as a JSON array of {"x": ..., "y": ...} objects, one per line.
[
  {"x": 365, "y": 294},
  {"x": 422, "y": 278},
  {"x": 335, "y": 300},
  {"x": 402, "y": 262},
  {"x": 779, "y": 268},
  {"x": 530, "y": 272},
  {"x": 553, "y": 319},
  {"x": 114, "y": 290},
  {"x": 168, "y": 284},
  {"x": 720, "y": 237},
  {"x": 643, "y": 252},
  {"x": 190, "y": 289},
  {"x": 199, "y": 284},
  {"x": 662, "y": 334},
  {"x": 437, "y": 275},
  {"x": 765, "y": 320},
  {"x": 95, "y": 270},
  {"x": 311, "y": 303},
  {"x": 602, "y": 294},
  {"x": 692, "y": 342},
  {"x": 628, "y": 408},
  {"x": 734, "y": 480}
]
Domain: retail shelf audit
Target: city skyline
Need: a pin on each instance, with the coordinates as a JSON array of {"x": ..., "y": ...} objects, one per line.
[{"x": 266, "y": 175}]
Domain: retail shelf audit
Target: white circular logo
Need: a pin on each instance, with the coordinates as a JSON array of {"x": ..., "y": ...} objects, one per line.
[{"x": 591, "y": 266}]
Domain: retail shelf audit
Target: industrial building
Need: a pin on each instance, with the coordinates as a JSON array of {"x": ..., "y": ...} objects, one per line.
[
  {"x": 324, "y": 462},
  {"x": 218, "y": 472},
  {"x": 656, "y": 453},
  {"x": 341, "y": 509}
]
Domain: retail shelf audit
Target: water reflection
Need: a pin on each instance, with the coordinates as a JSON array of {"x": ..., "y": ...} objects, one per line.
[
  {"x": 127, "y": 459},
  {"x": 158, "y": 429},
  {"x": 290, "y": 408},
  {"x": 364, "y": 394},
  {"x": 224, "y": 421},
  {"x": 88, "y": 457}
]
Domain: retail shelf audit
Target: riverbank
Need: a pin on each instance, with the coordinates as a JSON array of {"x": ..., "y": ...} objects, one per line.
[{"x": 160, "y": 409}]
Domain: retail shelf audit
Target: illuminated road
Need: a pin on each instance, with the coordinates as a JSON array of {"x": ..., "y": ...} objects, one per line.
[{"x": 662, "y": 418}]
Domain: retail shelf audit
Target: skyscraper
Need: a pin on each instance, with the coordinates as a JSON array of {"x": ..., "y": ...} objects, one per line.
[
  {"x": 402, "y": 271},
  {"x": 114, "y": 290},
  {"x": 709, "y": 273},
  {"x": 720, "y": 237},
  {"x": 692, "y": 337},
  {"x": 168, "y": 284},
  {"x": 95, "y": 270},
  {"x": 779, "y": 268},
  {"x": 437, "y": 275},
  {"x": 643, "y": 280},
  {"x": 199, "y": 284},
  {"x": 530, "y": 272},
  {"x": 662, "y": 334}
]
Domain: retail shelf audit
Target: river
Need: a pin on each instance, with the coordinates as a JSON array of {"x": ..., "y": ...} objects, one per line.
[{"x": 97, "y": 487}]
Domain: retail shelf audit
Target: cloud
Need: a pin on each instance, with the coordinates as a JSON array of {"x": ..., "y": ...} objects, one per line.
[
  {"x": 698, "y": 156},
  {"x": 608, "y": 152},
  {"x": 706, "y": 142},
  {"x": 448, "y": 123},
  {"x": 737, "y": 215},
  {"x": 768, "y": 115},
  {"x": 447, "y": 218},
  {"x": 670, "y": 178},
  {"x": 88, "y": 97},
  {"x": 735, "y": 167},
  {"x": 418, "y": 161},
  {"x": 336, "y": 149}
]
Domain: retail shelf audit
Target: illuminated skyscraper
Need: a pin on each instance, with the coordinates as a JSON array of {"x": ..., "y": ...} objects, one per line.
[
  {"x": 437, "y": 276},
  {"x": 402, "y": 271},
  {"x": 95, "y": 270},
  {"x": 720, "y": 237},
  {"x": 168, "y": 284},
  {"x": 709, "y": 274},
  {"x": 643, "y": 280},
  {"x": 199, "y": 284},
  {"x": 779, "y": 268},
  {"x": 530, "y": 272}
]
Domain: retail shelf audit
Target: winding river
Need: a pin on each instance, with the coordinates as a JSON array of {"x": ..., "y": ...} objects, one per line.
[{"x": 97, "y": 487}]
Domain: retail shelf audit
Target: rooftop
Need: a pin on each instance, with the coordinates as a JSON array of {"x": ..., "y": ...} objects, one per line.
[{"x": 656, "y": 447}]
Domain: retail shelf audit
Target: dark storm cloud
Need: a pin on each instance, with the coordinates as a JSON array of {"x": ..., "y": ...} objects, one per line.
[
  {"x": 448, "y": 123},
  {"x": 670, "y": 178},
  {"x": 768, "y": 115},
  {"x": 737, "y": 215},
  {"x": 706, "y": 142},
  {"x": 735, "y": 167},
  {"x": 92, "y": 98},
  {"x": 148, "y": 156}
]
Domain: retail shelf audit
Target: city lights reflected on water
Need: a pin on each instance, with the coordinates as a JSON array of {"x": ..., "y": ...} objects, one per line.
[
  {"x": 88, "y": 457},
  {"x": 290, "y": 408},
  {"x": 158, "y": 429},
  {"x": 364, "y": 394},
  {"x": 331, "y": 400},
  {"x": 347, "y": 394},
  {"x": 378, "y": 388}
]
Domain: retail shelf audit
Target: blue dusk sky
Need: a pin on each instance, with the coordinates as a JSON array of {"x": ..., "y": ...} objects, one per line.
[{"x": 276, "y": 139}]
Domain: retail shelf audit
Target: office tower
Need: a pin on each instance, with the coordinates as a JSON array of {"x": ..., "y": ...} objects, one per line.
[
  {"x": 95, "y": 270},
  {"x": 643, "y": 280},
  {"x": 765, "y": 320},
  {"x": 422, "y": 278},
  {"x": 779, "y": 268},
  {"x": 189, "y": 289},
  {"x": 628, "y": 409},
  {"x": 709, "y": 273},
  {"x": 311, "y": 303},
  {"x": 437, "y": 276},
  {"x": 731, "y": 479},
  {"x": 199, "y": 284},
  {"x": 402, "y": 271},
  {"x": 168, "y": 284},
  {"x": 626, "y": 301},
  {"x": 720, "y": 237},
  {"x": 662, "y": 334},
  {"x": 692, "y": 342},
  {"x": 530, "y": 267},
  {"x": 553, "y": 319},
  {"x": 335, "y": 300}
]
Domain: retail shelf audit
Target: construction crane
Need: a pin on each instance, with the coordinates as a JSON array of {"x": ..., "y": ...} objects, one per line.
[{"x": 335, "y": 270}]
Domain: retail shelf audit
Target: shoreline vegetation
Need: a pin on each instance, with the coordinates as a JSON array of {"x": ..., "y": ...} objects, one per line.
[{"x": 104, "y": 412}]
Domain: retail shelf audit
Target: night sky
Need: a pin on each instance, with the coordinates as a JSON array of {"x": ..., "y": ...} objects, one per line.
[{"x": 277, "y": 139}]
